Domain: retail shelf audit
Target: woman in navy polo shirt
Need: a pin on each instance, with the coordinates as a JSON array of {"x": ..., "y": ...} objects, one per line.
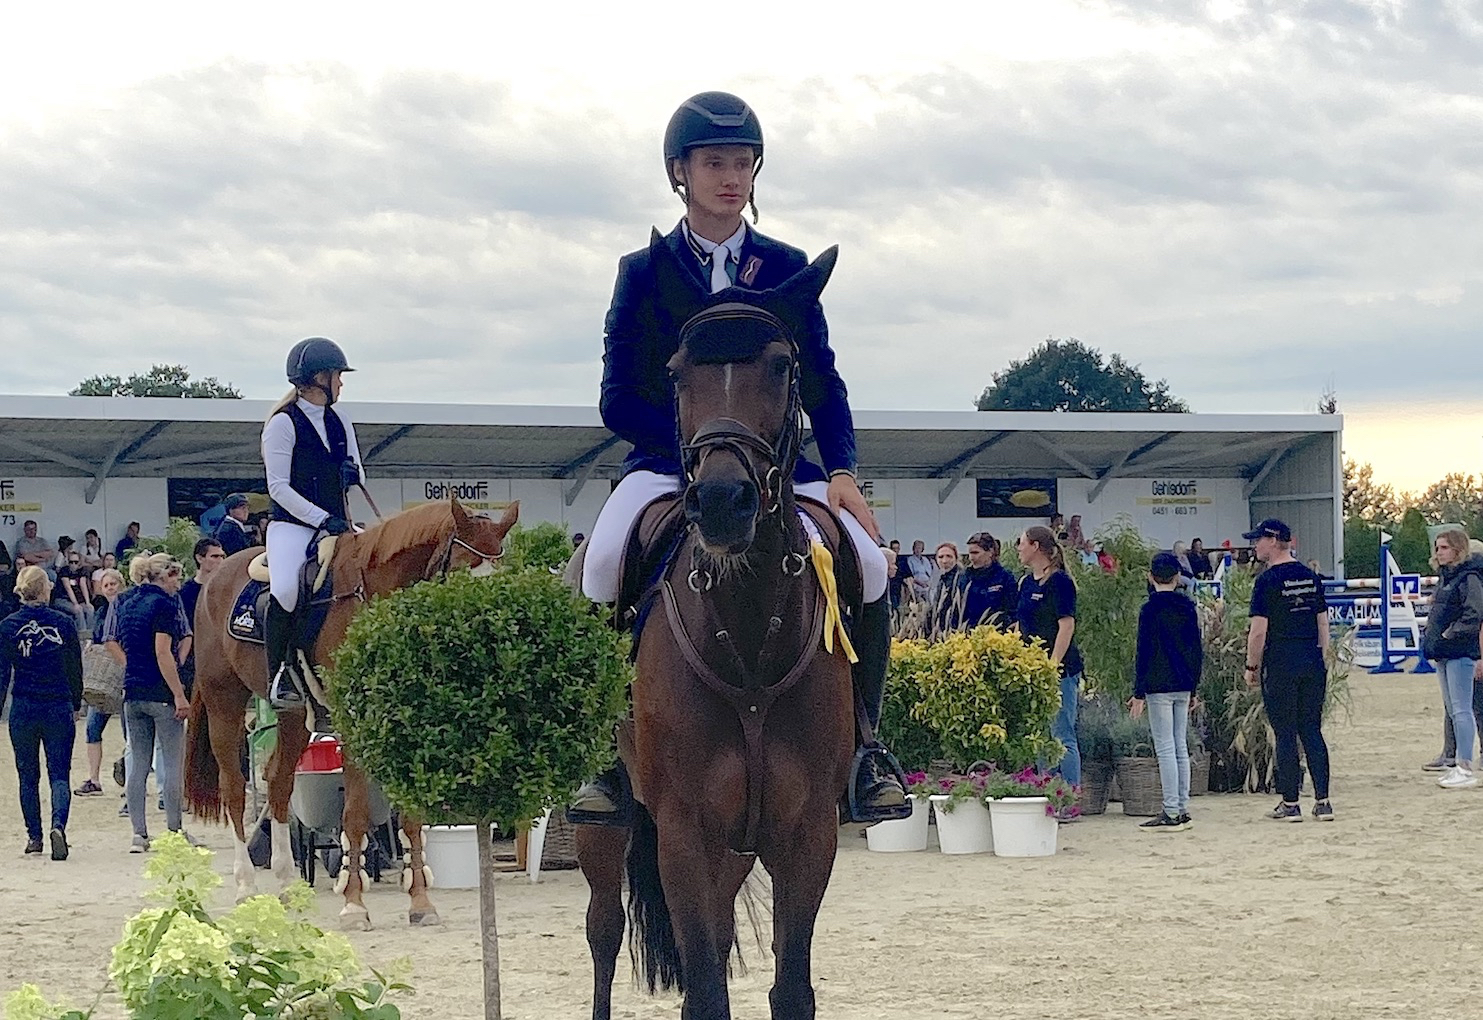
[
  {"x": 41, "y": 666},
  {"x": 1047, "y": 610},
  {"x": 148, "y": 630}
]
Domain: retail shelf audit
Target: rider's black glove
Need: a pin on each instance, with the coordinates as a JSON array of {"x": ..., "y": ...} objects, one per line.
[
  {"x": 335, "y": 526},
  {"x": 349, "y": 473}
]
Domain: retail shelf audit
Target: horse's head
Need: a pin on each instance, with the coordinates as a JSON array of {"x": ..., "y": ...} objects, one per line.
[
  {"x": 738, "y": 406},
  {"x": 476, "y": 541}
]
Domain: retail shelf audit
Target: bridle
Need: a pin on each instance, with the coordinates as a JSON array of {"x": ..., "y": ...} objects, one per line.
[
  {"x": 442, "y": 562},
  {"x": 742, "y": 441}
]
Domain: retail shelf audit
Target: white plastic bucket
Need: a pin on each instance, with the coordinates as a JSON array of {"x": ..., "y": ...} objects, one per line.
[
  {"x": 1022, "y": 828},
  {"x": 965, "y": 829},
  {"x": 901, "y": 835},
  {"x": 452, "y": 851}
]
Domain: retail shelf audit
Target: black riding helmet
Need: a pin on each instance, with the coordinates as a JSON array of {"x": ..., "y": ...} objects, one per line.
[
  {"x": 710, "y": 118},
  {"x": 311, "y": 356}
]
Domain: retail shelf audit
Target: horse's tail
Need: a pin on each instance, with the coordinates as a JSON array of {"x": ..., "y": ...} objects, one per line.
[
  {"x": 202, "y": 774},
  {"x": 651, "y": 933}
]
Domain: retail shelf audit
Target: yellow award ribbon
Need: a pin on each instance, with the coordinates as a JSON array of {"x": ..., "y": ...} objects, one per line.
[{"x": 833, "y": 621}]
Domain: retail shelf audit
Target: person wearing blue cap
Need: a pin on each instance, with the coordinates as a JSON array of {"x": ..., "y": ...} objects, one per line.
[
  {"x": 1285, "y": 655},
  {"x": 232, "y": 533}
]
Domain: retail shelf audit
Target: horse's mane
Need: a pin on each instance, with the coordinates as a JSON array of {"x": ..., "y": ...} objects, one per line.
[{"x": 424, "y": 525}]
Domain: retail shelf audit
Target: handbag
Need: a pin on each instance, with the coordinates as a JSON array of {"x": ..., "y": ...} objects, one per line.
[{"x": 102, "y": 680}]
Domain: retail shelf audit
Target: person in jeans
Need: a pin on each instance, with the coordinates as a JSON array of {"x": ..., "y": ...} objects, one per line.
[
  {"x": 1451, "y": 643},
  {"x": 110, "y": 583},
  {"x": 148, "y": 626},
  {"x": 1285, "y": 652},
  {"x": 1047, "y": 610},
  {"x": 1169, "y": 659},
  {"x": 41, "y": 666}
]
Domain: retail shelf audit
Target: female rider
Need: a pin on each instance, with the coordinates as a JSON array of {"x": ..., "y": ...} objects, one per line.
[
  {"x": 312, "y": 460},
  {"x": 712, "y": 153}
]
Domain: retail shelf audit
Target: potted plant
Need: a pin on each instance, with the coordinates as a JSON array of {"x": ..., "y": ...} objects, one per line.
[
  {"x": 904, "y": 835},
  {"x": 963, "y": 824},
  {"x": 1137, "y": 767},
  {"x": 1094, "y": 725},
  {"x": 1025, "y": 808}
]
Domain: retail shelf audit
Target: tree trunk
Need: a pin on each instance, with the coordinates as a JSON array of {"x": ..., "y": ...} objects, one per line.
[{"x": 487, "y": 923}]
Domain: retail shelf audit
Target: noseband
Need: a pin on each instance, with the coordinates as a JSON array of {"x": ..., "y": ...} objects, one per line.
[{"x": 441, "y": 563}]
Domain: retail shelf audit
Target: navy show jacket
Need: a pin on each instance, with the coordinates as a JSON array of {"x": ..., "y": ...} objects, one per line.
[{"x": 641, "y": 335}]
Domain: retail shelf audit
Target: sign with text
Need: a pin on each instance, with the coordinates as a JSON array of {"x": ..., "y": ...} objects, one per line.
[
  {"x": 1179, "y": 497},
  {"x": 12, "y": 505},
  {"x": 474, "y": 494}
]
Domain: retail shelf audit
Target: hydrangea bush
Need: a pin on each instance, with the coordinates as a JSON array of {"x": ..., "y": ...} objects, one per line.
[{"x": 261, "y": 959}]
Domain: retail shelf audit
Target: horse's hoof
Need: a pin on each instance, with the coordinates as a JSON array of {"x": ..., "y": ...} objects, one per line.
[
  {"x": 430, "y": 919},
  {"x": 355, "y": 918}
]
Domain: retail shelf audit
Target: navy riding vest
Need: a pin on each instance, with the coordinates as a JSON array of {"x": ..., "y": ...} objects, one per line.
[{"x": 315, "y": 472}]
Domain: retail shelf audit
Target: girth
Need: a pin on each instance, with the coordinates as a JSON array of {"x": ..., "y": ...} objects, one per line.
[{"x": 751, "y": 704}]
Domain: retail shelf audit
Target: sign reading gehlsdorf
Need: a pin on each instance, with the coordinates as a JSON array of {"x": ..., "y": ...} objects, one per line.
[
  {"x": 13, "y": 505},
  {"x": 474, "y": 494},
  {"x": 1177, "y": 496}
]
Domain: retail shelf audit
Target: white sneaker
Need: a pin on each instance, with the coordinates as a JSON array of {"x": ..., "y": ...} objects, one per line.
[
  {"x": 1458, "y": 779},
  {"x": 1446, "y": 775}
]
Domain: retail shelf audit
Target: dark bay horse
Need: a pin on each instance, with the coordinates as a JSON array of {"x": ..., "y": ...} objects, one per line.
[
  {"x": 415, "y": 545},
  {"x": 743, "y": 728}
]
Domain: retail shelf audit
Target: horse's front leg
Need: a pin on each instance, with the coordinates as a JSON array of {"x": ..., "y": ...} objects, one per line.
[
  {"x": 355, "y": 827},
  {"x": 800, "y": 865},
  {"x": 687, "y": 866},
  {"x": 600, "y": 851},
  {"x": 417, "y": 877}
]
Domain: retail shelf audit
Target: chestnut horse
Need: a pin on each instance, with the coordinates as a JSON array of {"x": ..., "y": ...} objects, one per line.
[
  {"x": 743, "y": 726},
  {"x": 415, "y": 545}
]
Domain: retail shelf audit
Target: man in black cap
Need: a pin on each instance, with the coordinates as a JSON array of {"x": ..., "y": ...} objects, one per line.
[
  {"x": 1285, "y": 653},
  {"x": 232, "y": 533}
]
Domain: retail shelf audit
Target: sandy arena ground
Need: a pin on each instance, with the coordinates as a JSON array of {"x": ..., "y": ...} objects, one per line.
[{"x": 1373, "y": 916}]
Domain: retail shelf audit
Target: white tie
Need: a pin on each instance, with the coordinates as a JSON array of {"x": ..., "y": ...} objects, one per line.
[{"x": 719, "y": 278}]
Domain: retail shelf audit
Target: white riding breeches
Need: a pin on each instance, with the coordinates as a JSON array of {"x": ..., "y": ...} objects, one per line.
[
  {"x": 288, "y": 545},
  {"x": 604, "y": 556}
]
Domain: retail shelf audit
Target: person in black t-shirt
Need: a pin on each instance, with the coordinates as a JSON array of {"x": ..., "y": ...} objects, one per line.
[
  {"x": 1047, "y": 610},
  {"x": 1285, "y": 652}
]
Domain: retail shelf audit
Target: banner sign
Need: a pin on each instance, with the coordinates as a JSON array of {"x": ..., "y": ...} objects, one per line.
[
  {"x": 474, "y": 494},
  {"x": 11, "y": 506},
  {"x": 1016, "y": 497}
]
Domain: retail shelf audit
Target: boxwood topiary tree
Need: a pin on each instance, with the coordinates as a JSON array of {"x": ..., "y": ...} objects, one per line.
[{"x": 480, "y": 699}]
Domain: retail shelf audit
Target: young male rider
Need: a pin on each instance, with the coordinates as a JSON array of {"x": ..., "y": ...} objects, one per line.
[
  {"x": 312, "y": 459},
  {"x": 712, "y": 153}
]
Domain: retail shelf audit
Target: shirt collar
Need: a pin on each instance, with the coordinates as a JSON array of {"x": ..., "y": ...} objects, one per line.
[{"x": 704, "y": 249}]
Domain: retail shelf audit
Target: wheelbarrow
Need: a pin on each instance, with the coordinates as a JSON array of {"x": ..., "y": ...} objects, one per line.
[{"x": 318, "y": 805}]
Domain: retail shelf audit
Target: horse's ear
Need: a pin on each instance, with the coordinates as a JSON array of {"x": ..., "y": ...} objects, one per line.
[
  {"x": 804, "y": 287},
  {"x": 675, "y": 287},
  {"x": 511, "y": 515},
  {"x": 460, "y": 515}
]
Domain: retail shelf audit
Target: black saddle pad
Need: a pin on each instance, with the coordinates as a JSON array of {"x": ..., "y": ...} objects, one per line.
[{"x": 250, "y": 611}]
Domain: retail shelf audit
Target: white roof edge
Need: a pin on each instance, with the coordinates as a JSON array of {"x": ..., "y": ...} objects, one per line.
[{"x": 586, "y": 416}]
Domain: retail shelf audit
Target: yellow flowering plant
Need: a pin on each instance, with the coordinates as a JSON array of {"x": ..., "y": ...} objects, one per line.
[
  {"x": 261, "y": 959},
  {"x": 987, "y": 695}
]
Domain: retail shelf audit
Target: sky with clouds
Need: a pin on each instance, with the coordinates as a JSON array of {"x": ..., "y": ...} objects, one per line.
[{"x": 1255, "y": 200}]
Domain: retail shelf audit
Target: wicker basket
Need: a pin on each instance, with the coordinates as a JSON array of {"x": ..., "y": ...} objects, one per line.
[
  {"x": 1138, "y": 779},
  {"x": 1199, "y": 774},
  {"x": 1096, "y": 786},
  {"x": 559, "y": 852},
  {"x": 102, "y": 680}
]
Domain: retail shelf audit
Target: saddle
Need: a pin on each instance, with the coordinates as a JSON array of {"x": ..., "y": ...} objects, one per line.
[{"x": 316, "y": 594}]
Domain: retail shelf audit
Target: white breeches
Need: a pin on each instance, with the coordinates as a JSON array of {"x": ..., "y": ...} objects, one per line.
[
  {"x": 287, "y": 552},
  {"x": 640, "y": 488}
]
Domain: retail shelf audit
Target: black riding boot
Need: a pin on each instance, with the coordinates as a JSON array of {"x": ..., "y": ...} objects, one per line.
[
  {"x": 285, "y": 692},
  {"x": 604, "y": 801},
  {"x": 877, "y": 792}
]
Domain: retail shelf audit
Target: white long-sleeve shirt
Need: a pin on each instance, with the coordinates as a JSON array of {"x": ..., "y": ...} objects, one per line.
[{"x": 278, "y": 456}]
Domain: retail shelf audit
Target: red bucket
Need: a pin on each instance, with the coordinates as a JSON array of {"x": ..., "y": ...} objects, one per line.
[{"x": 322, "y": 756}]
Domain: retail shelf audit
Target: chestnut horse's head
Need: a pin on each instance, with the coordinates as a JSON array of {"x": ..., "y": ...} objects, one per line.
[{"x": 739, "y": 408}]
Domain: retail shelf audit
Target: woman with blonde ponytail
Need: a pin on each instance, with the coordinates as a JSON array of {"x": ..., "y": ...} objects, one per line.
[
  {"x": 311, "y": 459},
  {"x": 1047, "y": 610},
  {"x": 41, "y": 668}
]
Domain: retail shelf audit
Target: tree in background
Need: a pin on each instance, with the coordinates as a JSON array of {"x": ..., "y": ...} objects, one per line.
[
  {"x": 159, "y": 381},
  {"x": 1455, "y": 499},
  {"x": 1067, "y": 375}
]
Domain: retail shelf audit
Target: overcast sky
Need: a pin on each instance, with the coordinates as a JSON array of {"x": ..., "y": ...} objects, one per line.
[{"x": 1254, "y": 200}]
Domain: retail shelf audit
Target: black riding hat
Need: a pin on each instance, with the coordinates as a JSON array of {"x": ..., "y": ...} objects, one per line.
[
  {"x": 710, "y": 118},
  {"x": 313, "y": 355}
]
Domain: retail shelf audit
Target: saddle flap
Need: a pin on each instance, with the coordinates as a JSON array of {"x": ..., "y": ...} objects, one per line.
[
  {"x": 847, "y": 573},
  {"x": 649, "y": 545}
]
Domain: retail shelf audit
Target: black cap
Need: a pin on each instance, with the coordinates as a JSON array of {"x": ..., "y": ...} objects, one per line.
[
  {"x": 233, "y": 501},
  {"x": 711, "y": 118},
  {"x": 1165, "y": 567},
  {"x": 1269, "y": 528}
]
